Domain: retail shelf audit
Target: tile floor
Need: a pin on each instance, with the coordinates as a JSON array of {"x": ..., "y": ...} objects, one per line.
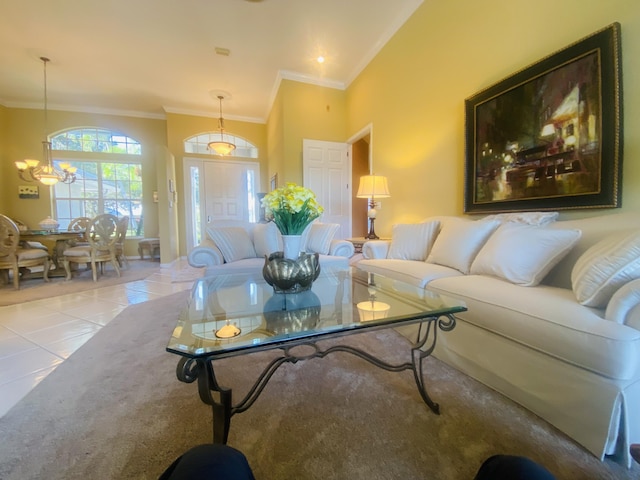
[{"x": 37, "y": 336}]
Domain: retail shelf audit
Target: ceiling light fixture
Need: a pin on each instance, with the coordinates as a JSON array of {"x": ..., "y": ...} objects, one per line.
[
  {"x": 30, "y": 170},
  {"x": 221, "y": 147}
]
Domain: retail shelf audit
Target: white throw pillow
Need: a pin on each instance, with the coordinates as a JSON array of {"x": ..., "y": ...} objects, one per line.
[
  {"x": 266, "y": 239},
  {"x": 320, "y": 236},
  {"x": 605, "y": 267},
  {"x": 233, "y": 242},
  {"x": 624, "y": 306},
  {"x": 459, "y": 241},
  {"x": 523, "y": 254},
  {"x": 539, "y": 219},
  {"x": 412, "y": 241}
]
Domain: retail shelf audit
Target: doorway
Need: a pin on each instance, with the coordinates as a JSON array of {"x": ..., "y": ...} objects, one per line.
[{"x": 218, "y": 190}]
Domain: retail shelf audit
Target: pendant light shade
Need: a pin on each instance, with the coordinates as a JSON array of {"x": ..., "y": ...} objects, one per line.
[{"x": 221, "y": 147}]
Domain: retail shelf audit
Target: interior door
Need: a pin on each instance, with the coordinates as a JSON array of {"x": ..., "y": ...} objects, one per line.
[{"x": 327, "y": 172}]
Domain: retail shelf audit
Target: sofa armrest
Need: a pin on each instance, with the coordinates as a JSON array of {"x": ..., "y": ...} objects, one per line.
[
  {"x": 624, "y": 306},
  {"x": 374, "y": 249},
  {"x": 207, "y": 254},
  {"x": 341, "y": 248}
]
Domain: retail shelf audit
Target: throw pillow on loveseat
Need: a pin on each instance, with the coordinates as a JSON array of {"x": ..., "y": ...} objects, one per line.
[{"x": 235, "y": 246}]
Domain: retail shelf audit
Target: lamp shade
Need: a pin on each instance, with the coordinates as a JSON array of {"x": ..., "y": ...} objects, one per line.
[{"x": 373, "y": 186}]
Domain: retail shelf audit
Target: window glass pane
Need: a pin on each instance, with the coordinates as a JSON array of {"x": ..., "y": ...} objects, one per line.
[
  {"x": 198, "y": 144},
  {"x": 95, "y": 140}
]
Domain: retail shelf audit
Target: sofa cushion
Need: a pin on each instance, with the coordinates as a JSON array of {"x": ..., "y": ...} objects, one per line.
[
  {"x": 624, "y": 306},
  {"x": 414, "y": 273},
  {"x": 234, "y": 242},
  {"x": 319, "y": 237},
  {"x": 605, "y": 267},
  {"x": 523, "y": 254},
  {"x": 547, "y": 319},
  {"x": 412, "y": 241},
  {"x": 266, "y": 239},
  {"x": 459, "y": 241}
]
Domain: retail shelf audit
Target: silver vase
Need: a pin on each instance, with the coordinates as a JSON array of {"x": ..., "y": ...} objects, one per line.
[{"x": 291, "y": 276}]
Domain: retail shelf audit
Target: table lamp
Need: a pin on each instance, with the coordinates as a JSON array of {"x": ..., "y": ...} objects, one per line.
[{"x": 372, "y": 187}]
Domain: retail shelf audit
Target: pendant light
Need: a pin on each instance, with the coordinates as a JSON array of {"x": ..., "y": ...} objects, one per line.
[
  {"x": 30, "y": 170},
  {"x": 220, "y": 147}
]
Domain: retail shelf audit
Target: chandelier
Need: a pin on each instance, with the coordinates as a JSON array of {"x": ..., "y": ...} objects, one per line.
[
  {"x": 220, "y": 147},
  {"x": 30, "y": 170}
]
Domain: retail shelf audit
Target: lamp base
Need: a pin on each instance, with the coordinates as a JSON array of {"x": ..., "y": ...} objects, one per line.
[{"x": 372, "y": 231}]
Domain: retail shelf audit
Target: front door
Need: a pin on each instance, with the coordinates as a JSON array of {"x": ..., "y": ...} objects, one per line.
[{"x": 219, "y": 190}]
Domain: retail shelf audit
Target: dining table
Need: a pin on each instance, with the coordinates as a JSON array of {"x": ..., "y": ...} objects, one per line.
[{"x": 56, "y": 241}]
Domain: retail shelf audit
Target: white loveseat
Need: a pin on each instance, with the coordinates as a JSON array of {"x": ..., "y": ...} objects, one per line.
[
  {"x": 553, "y": 318},
  {"x": 240, "y": 247}
]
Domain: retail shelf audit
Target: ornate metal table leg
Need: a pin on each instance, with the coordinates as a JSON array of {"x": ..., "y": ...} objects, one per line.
[
  {"x": 418, "y": 353},
  {"x": 190, "y": 370}
]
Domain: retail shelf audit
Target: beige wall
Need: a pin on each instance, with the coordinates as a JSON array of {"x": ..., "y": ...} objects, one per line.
[
  {"x": 25, "y": 128},
  {"x": 275, "y": 138},
  {"x": 180, "y": 127},
  {"x": 304, "y": 111},
  {"x": 4, "y": 161},
  {"x": 413, "y": 91}
]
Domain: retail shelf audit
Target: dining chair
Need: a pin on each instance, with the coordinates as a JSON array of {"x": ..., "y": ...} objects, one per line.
[
  {"x": 123, "y": 226},
  {"x": 13, "y": 257},
  {"x": 102, "y": 239},
  {"x": 80, "y": 225},
  {"x": 28, "y": 243}
]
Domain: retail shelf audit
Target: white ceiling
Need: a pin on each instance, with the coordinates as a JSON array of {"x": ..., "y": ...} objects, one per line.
[{"x": 148, "y": 57}]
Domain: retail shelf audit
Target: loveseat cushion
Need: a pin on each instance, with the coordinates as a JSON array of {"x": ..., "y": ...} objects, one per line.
[
  {"x": 234, "y": 243},
  {"x": 319, "y": 237},
  {"x": 605, "y": 267},
  {"x": 523, "y": 254},
  {"x": 253, "y": 265},
  {"x": 459, "y": 241},
  {"x": 547, "y": 319},
  {"x": 412, "y": 241},
  {"x": 412, "y": 272},
  {"x": 266, "y": 239}
]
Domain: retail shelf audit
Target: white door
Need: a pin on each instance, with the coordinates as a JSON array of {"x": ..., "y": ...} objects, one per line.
[
  {"x": 218, "y": 190},
  {"x": 327, "y": 172}
]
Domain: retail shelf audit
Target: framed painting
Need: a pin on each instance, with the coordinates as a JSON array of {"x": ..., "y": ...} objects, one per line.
[
  {"x": 549, "y": 137},
  {"x": 273, "y": 184}
]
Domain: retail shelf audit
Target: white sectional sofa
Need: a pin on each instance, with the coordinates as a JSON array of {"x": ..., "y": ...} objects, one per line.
[
  {"x": 553, "y": 318},
  {"x": 240, "y": 247}
]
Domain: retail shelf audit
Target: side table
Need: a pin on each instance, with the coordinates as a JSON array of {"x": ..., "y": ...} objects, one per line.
[{"x": 358, "y": 242}]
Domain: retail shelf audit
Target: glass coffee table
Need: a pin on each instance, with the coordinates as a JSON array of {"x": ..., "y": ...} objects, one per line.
[{"x": 239, "y": 314}]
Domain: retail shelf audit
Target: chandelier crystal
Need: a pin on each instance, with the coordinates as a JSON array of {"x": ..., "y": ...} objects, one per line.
[{"x": 30, "y": 170}]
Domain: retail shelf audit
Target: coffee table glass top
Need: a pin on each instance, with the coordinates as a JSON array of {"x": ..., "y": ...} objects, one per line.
[{"x": 229, "y": 314}]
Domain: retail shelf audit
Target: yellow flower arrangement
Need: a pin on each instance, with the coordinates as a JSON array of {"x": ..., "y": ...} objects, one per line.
[{"x": 291, "y": 208}]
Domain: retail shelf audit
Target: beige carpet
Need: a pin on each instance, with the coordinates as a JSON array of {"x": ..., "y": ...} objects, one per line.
[
  {"x": 36, "y": 289},
  {"x": 115, "y": 410}
]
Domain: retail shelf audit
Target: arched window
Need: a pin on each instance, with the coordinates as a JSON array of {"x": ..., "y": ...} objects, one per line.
[
  {"x": 198, "y": 144},
  {"x": 108, "y": 176},
  {"x": 91, "y": 139}
]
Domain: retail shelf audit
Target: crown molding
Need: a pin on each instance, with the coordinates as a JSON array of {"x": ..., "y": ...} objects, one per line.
[{"x": 203, "y": 113}]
